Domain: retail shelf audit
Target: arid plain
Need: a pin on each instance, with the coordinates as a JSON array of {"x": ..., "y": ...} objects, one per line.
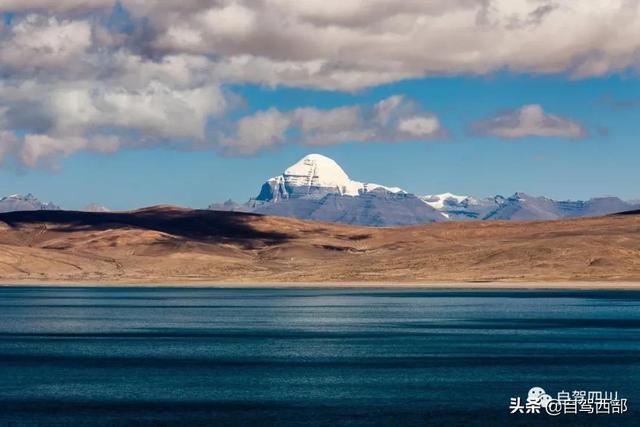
[{"x": 174, "y": 246}]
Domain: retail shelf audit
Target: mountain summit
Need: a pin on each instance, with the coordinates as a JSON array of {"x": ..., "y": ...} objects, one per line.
[
  {"x": 315, "y": 175},
  {"x": 317, "y": 188}
]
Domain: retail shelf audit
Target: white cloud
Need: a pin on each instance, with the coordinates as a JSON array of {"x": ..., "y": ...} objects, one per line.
[
  {"x": 37, "y": 149},
  {"x": 310, "y": 119},
  {"x": 40, "y": 42},
  {"x": 349, "y": 44},
  {"x": 392, "y": 119},
  {"x": 529, "y": 120},
  {"x": 68, "y": 74},
  {"x": 256, "y": 132},
  {"x": 419, "y": 125},
  {"x": 34, "y": 150},
  {"x": 60, "y": 90},
  {"x": 53, "y": 5},
  {"x": 73, "y": 108},
  {"x": 156, "y": 109},
  {"x": 8, "y": 142},
  {"x": 387, "y": 108}
]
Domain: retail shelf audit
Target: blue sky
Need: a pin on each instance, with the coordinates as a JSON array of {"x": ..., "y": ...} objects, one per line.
[{"x": 583, "y": 142}]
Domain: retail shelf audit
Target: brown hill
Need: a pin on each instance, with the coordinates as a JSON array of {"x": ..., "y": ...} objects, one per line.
[{"x": 174, "y": 245}]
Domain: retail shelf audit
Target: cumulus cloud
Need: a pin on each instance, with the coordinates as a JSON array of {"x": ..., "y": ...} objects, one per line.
[
  {"x": 392, "y": 119},
  {"x": 34, "y": 150},
  {"x": 419, "y": 125},
  {"x": 529, "y": 120},
  {"x": 67, "y": 118},
  {"x": 39, "y": 149},
  {"x": 350, "y": 44},
  {"x": 71, "y": 109},
  {"x": 8, "y": 142},
  {"x": 60, "y": 88},
  {"x": 256, "y": 132},
  {"x": 71, "y": 69},
  {"x": 41, "y": 42},
  {"x": 16, "y": 6}
]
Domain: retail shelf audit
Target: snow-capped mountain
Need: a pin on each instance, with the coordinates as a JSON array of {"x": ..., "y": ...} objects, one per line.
[
  {"x": 317, "y": 188},
  {"x": 524, "y": 207},
  {"x": 94, "y": 207},
  {"x": 17, "y": 202},
  {"x": 521, "y": 206},
  {"x": 315, "y": 175}
]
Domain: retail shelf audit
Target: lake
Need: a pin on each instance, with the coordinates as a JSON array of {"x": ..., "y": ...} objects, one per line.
[{"x": 307, "y": 357}]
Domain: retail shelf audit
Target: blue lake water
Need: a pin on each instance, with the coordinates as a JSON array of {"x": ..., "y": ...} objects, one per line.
[{"x": 94, "y": 357}]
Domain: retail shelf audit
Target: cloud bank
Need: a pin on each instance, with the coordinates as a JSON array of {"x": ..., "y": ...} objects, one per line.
[
  {"x": 350, "y": 44},
  {"x": 101, "y": 74},
  {"x": 529, "y": 120},
  {"x": 392, "y": 119}
]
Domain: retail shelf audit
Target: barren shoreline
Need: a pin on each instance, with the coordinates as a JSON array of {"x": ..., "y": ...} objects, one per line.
[
  {"x": 160, "y": 247},
  {"x": 568, "y": 285}
]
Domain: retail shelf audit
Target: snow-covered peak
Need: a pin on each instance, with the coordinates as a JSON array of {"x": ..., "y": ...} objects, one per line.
[
  {"x": 18, "y": 202},
  {"x": 29, "y": 196},
  {"x": 316, "y": 174},
  {"x": 318, "y": 171},
  {"x": 437, "y": 201},
  {"x": 94, "y": 207}
]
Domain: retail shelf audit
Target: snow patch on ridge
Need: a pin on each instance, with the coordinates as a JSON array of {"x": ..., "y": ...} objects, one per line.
[{"x": 437, "y": 201}]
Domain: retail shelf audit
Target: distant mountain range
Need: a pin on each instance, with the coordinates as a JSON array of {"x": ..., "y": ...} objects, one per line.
[
  {"x": 521, "y": 206},
  {"x": 317, "y": 188},
  {"x": 16, "y": 202}
]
